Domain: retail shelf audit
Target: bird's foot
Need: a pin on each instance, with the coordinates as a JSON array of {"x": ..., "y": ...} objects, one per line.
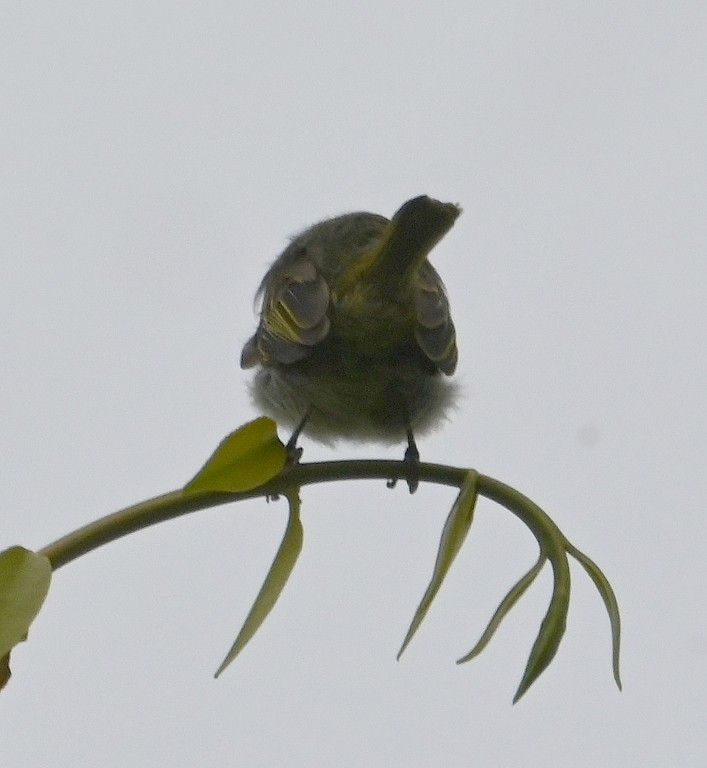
[
  {"x": 292, "y": 451},
  {"x": 411, "y": 461},
  {"x": 294, "y": 454}
]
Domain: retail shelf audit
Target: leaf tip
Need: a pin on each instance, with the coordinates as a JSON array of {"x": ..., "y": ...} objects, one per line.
[
  {"x": 402, "y": 648},
  {"x": 525, "y": 684},
  {"x": 617, "y": 679}
]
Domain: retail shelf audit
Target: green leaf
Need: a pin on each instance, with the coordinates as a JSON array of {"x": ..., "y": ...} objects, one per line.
[
  {"x": 244, "y": 460},
  {"x": 274, "y": 583},
  {"x": 453, "y": 534},
  {"x": 553, "y": 625},
  {"x": 24, "y": 583},
  {"x": 514, "y": 594},
  {"x": 609, "y": 598}
]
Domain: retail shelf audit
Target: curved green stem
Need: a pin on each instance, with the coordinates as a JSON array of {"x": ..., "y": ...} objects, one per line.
[
  {"x": 552, "y": 543},
  {"x": 177, "y": 503}
]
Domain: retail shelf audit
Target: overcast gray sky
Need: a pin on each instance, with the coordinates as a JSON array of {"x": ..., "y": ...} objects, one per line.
[{"x": 155, "y": 157}]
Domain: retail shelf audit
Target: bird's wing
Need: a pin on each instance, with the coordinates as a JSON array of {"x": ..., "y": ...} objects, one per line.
[
  {"x": 434, "y": 329},
  {"x": 293, "y": 317}
]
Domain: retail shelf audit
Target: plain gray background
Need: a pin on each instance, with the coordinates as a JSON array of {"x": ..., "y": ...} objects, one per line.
[{"x": 155, "y": 157}]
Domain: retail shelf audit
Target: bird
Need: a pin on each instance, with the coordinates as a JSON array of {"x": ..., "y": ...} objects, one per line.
[{"x": 355, "y": 338}]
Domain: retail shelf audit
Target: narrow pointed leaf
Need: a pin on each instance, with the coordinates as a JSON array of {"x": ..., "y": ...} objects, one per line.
[
  {"x": 453, "y": 534},
  {"x": 514, "y": 594},
  {"x": 274, "y": 583},
  {"x": 553, "y": 625},
  {"x": 244, "y": 460},
  {"x": 609, "y": 598},
  {"x": 24, "y": 583}
]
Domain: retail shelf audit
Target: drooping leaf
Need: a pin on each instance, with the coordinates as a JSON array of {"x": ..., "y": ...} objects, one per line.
[
  {"x": 553, "y": 624},
  {"x": 453, "y": 534},
  {"x": 274, "y": 583},
  {"x": 609, "y": 598},
  {"x": 24, "y": 583},
  {"x": 514, "y": 594},
  {"x": 243, "y": 460}
]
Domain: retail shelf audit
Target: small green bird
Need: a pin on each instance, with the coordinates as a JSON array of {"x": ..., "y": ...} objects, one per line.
[{"x": 355, "y": 338}]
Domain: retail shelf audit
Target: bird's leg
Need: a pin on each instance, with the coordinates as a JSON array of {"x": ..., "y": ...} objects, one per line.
[
  {"x": 294, "y": 454},
  {"x": 412, "y": 461}
]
